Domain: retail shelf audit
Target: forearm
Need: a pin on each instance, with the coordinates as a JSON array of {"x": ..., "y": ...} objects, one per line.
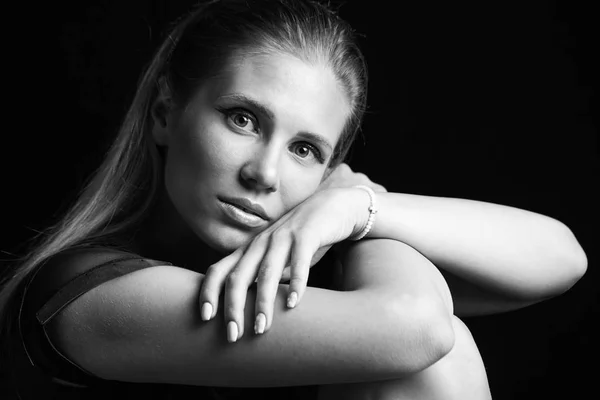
[
  {"x": 513, "y": 251},
  {"x": 150, "y": 330}
]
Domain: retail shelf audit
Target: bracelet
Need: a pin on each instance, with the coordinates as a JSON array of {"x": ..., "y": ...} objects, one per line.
[{"x": 372, "y": 211}]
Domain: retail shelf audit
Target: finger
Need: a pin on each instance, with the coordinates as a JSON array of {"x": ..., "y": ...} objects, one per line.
[
  {"x": 213, "y": 283},
  {"x": 285, "y": 274},
  {"x": 268, "y": 280},
  {"x": 236, "y": 287},
  {"x": 301, "y": 256}
]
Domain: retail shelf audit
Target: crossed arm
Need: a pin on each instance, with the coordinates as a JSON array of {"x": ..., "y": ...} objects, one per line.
[
  {"x": 495, "y": 258},
  {"x": 146, "y": 326},
  {"x": 393, "y": 318}
]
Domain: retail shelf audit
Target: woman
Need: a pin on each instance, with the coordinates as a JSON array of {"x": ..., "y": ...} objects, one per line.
[{"x": 227, "y": 169}]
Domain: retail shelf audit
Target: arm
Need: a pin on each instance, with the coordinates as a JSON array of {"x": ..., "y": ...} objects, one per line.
[
  {"x": 145, "y": 327},
  {"x": 495, "y": 258}
]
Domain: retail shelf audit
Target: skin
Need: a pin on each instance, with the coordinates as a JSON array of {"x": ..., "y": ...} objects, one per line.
[
  {"x": 212, "y": 151},
  {"x": 272, "y": 160},
  {"x": 144, "y": 327},
  {"x": 220, "y": 145},
  {"x": 266, "y": 133}
]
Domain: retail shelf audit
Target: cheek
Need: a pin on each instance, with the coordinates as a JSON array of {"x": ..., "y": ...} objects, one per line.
[
  {"x": 195, "y": 163},
  {"x": 198, "y": 155},
  {"x": 299, "y": 185}
]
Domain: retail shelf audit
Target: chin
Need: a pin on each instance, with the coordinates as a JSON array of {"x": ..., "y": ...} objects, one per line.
[{"x": 224, "y": 239}]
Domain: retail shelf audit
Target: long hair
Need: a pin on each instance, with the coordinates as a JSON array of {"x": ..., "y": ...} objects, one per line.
[{"x": 123, "y": 188}]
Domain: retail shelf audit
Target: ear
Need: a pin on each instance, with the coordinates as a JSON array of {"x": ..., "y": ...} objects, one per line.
[{"x": 160, "y": 110}]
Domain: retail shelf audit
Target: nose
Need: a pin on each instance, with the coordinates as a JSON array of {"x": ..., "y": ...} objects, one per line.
[{"x": 261, "y": 171}]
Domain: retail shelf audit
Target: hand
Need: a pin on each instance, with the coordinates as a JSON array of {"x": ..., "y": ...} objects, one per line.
[
  {"x": 298, "y": 239},
  {"x": 341, "y": 177}
]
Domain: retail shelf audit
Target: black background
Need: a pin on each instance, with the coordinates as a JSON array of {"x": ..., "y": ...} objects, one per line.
[{"x": 492, "y": 102}]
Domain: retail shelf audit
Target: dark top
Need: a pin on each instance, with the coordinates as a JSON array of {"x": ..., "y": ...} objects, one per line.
[{"x": 43, "y": 371}]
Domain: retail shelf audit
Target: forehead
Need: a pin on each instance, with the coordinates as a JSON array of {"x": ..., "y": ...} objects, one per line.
[{"x": 301, "y": 96}]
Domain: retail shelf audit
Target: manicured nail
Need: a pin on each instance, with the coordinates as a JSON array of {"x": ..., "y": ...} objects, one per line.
[
  {"x": 232, "y": 332},
  {"x": 292, "y": 299},
  {"x": 259, "y": 324},
  {"x": 206, "y": 312}
]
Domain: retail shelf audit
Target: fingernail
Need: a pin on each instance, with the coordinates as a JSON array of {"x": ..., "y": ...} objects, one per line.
[
  {"x": 206, "y": 312},
  {"x": 259, "y": 324},
  {"x": 232, "y": 332},
  {"x": 292, "y": 299}
]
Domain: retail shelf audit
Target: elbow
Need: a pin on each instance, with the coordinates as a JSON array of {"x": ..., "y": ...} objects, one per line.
[
  {"x": 564, "y": 264},
  {"x": 575, "y": 265},
  {"x": 569, "y": 261},
  {"x": 576, "y": 260}
]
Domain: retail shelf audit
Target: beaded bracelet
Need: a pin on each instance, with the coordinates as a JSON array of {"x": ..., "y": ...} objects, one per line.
[{"x": 372, "y": 211}]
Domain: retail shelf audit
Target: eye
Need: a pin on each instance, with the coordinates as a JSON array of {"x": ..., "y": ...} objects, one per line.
[
  {"x": 306, "y": 151},
  {"x": 241, "y": 119}
]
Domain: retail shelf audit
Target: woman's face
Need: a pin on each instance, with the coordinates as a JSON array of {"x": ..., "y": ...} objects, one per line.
[{"x": 250, "y": 145}]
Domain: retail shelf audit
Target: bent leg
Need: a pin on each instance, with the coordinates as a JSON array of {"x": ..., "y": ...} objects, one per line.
[{"x": 458, "y": 375}]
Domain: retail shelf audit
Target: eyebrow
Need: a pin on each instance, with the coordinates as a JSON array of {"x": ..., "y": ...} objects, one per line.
[
  {"x": 263, "y": 109},
  {"x": 318, "y": 139},
  {"x": 254, "y": 103}
]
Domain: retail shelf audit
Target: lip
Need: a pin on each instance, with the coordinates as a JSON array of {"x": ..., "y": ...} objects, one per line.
[{"x": 247, "y": 204}]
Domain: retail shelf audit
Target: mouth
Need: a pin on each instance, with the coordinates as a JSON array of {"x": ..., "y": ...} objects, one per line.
[
  {"x": 248, "y": 206},
  {"x": 244, "y": 212}
]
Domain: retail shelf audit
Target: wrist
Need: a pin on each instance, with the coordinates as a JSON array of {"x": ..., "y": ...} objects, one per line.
[{"x": 365, "y": 215}]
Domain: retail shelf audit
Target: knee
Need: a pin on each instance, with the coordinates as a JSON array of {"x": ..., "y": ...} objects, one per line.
[
  {"x": 380, "y": 390},
  {"x": 458, "y": 375}
]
